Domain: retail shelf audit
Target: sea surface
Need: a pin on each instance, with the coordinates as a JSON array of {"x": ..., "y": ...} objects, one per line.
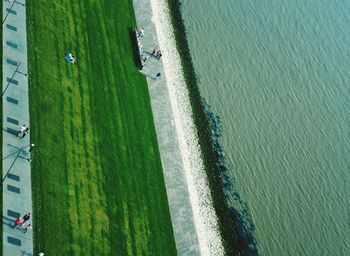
[{"x": 277, "y": 72}]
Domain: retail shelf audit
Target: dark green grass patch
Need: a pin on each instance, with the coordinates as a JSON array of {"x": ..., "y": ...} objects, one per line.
[{"x": 98, "y": 186}]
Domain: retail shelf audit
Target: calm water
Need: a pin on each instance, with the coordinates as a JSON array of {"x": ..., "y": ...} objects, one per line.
[{"x": 277, "y": 72}]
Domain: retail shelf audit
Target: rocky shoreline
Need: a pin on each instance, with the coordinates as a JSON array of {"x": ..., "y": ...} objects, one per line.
[{"x": 234, "y": 229}]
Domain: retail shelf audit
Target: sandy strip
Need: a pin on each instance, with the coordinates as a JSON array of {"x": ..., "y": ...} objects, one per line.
[{"x": 201, "y": 201}]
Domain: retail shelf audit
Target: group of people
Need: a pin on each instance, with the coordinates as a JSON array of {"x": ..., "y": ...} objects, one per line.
[
  {"x": 21, "y": 221},
  {"x": 156, "y": 53},
  {"x": 23, "y": 131}
]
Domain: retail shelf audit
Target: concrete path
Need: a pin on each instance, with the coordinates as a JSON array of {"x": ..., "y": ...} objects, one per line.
[
  {"x": 175, "y": 180},
  {"x": 17, "y": 193}
]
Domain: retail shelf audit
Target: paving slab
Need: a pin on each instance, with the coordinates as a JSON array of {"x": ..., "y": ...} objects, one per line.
[
  {"x": 175, "y": 180},
  {"x": 17, "y": 191}
]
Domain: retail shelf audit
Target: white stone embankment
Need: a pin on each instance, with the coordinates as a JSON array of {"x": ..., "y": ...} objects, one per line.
[{"x": 204, "y": 215}]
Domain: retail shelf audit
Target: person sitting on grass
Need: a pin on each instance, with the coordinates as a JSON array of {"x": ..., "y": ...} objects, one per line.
[{"x": 70, "y": 58}]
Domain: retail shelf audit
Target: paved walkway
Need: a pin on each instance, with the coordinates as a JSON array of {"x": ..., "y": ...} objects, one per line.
[
  {"x": 17, "y": 195},
  {"x": 175, "y": 181}
]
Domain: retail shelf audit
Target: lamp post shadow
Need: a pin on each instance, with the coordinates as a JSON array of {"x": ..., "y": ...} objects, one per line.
[
  {"x": 149, "y": 76},
  {"x": 8, "y": 221}
]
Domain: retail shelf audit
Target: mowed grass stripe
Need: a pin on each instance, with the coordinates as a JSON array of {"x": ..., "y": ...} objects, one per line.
[
  {"x": 85, "y": 229},
  {"x": 60, "y": 57},
  {"x": 141, "y": 120},
  {"x": 101, "y": 235},
  {"x": 53, "y": 164},
  {"x": 108, "y": 81},
  {"x": 81, "y": 227},
  {"x": 67, "y": 86},
  {"x": 132, "y": 130},
  {"x": 110, "y": 109},
  {"x": 97, "y": 203},
  {"x": 130, "y": 103},
  {"x": 113, "y": 194}
]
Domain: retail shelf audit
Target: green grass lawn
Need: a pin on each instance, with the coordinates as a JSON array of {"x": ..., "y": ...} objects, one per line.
[{"x": 98, "y": 186}]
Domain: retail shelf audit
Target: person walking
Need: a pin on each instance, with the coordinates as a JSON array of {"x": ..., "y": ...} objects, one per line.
[
  {"x": 18, "y": 221},
  {"x": 26, "y": 227},
  {"x": 21, "y": 131},
  {"x": 153, "y": 52},
  {"x": 139, "y": 32},
  {"x": 159, "y": 55},
  {"x": 31, "y": 147},
  {"x": 158, "y": 75},
  {"x": 25, "y": 218},
  {"x": 144, "y": 58},
  {"x": 26, "y": 131}
]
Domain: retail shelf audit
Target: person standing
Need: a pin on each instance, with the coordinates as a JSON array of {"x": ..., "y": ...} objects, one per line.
[
  {"x": 139, "y": 32},
  {"x": 25, "y": 218},
  {"x": 26, "y": 227},
  {"x": 26, "y": 131},
  {"x": 158, "y": 75},
  {"x": 153, "y": 52},
  {"x": 159, "y": 55},
  {"x": 31, "y": 147},
  {"x": 21, "y": 131},
  {"x": 18, "y": 221},
  {"x": 144, "y": 58}
]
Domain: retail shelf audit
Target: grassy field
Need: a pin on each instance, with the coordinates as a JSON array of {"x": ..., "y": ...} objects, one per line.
[{"x": 98, "y": 186}]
